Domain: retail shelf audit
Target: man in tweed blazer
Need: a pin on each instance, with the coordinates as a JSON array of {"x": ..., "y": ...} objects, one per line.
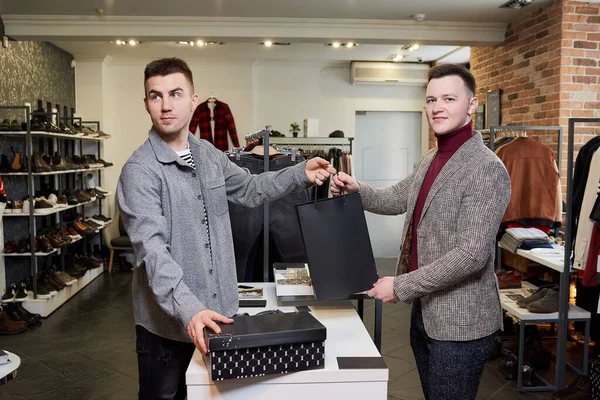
[{"x": 454, "y": 202}]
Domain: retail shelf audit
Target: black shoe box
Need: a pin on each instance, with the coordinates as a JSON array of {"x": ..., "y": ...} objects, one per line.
[{"x": 266, "y": 344}]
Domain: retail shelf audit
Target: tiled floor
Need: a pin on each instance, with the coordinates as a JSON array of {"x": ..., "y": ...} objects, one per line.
[{"x": 85, "y": 350}]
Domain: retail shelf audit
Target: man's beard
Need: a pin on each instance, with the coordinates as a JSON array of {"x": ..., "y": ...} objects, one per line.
[{"x": 167, "y": 130}]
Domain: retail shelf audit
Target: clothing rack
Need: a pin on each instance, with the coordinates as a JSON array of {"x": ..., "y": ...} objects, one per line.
[
  {"x": 315, "y": 142},
  {"x": 564, "y": 281},
  {"x": 254, "y": 136},
  {"x": 265, "y": 134},
  {"x": 494, "y": 130},
  {"x": 561, "y": 348}
]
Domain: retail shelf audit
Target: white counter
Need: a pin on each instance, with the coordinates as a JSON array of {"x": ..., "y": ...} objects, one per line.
[{"x": 346, "y": 337}]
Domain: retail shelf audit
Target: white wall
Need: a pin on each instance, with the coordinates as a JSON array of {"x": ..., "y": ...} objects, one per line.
[
  {"x": 286, "y": 94},
  {"x": 275, "y": 94}
]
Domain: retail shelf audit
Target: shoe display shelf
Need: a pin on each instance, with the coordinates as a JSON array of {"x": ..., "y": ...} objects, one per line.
[
  {"x": 67, "y": 171},
  {"x": 54, "y": 140},
  {"x": 527, "y": 317},
  {"x": 37, "y": 253},
  {"x": 51, "y": 135},
  {"x": 42, "y": 254},
  {"x": 41, "y": 212},
  {"x": 563, "y": 264},
  {"x": 45, "y": 307}
]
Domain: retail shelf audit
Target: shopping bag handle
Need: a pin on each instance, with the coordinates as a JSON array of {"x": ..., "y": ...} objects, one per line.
[{"x": 342, "y": 194}]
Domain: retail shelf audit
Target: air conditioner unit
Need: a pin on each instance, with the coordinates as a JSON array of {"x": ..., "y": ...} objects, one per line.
[{"x": 388, "y": 73}]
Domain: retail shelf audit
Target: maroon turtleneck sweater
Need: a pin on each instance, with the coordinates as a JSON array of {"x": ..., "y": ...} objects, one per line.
[{"x": 447, "y": 146}]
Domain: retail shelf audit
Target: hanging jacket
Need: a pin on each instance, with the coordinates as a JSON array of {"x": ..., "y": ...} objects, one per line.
[
  {"x": 534, "y": 182},
  {"x": 224, "y": 123},
  {"x": 585, "y": 225}
]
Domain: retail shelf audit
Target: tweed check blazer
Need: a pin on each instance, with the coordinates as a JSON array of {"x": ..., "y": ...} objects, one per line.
[{"x": 456, "y": 241}]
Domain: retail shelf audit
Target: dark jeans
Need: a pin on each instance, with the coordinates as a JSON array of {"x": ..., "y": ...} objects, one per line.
[
  {"x": 448, "y": 370},
  {"x": 247, "y": 223},
  {"x": 161, "y": 366}
]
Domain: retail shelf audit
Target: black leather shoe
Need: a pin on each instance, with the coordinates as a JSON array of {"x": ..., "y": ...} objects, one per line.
[
  {"x": 4, "y": 164},
  {"x": 23, "y": 246},
  {"x": 26, "y": 314},
  {"x": 17, "y": 313}
]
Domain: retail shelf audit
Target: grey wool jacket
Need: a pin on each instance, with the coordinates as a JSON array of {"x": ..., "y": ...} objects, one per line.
[
  {"x": 456, "y": 242},
  {"x": 183, "y": 267}
]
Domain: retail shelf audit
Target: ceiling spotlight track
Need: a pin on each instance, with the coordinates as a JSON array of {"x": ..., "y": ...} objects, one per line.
[
  {"x": 337, "y": 45},
  {"x": 130, "y": 42},
  {"x": 268, "y": 43},
  {"x": 412, "y": 47},
  {"x": 516, "y": 4},
  {"x": 198, "y": 43}
]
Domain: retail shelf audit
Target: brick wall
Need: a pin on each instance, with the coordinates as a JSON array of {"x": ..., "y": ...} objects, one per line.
[{"x": 548, "y": 69}]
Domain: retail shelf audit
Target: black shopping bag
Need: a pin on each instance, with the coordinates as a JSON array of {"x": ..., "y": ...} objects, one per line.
[{"x": 338, "y": 247}]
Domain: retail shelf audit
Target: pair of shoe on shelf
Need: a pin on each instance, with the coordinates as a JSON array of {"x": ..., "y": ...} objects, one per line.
[
  {"x": 51, "y": 281},
  {"x": 10, "y": 126},
  {"x": 92, "y": 133},
  {"x": 86, "y": 227},
  {"x": 39, "y": 203},
  {"x": 24, "y": 246},
  {"x": 544, "y": 300},
  {"x": 15, "y": 292},
  {"x": 14, "y": 206}
]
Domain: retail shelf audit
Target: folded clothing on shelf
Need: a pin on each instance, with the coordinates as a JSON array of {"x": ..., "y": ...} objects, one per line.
[{"x": 515, "y": 238}]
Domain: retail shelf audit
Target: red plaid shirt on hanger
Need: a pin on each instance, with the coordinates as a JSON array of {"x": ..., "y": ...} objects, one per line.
[{"x": 223, "y": 123}]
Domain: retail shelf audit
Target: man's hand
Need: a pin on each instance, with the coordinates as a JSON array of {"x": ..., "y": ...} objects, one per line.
[
  {"x": 201, "y": 320},
  {"x": 343, "y": 183},
  {"x": 318, "y": 170},
  {"x": 383, "y": 290}
]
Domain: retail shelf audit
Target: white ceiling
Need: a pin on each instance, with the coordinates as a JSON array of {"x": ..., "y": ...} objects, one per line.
[
  {"x": 251, "y": 52},
  {"x": 435, "y": 10},
  {"x": 382, "y": 27}
]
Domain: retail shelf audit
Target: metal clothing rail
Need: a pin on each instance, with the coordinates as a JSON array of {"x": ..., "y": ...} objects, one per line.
[
  {"x": 314, "y": 142},
  {"x": 494, "y": 129}
]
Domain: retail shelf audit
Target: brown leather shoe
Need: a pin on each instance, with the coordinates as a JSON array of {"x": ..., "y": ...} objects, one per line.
[
  {"x": 42, "y": 203},
  {"x": 17, "y": 164},
  {"x": 39, "y": 165},
  {"x": 509, "y": 280},
  {"x": 45, "y": 244},
  {"x": 10, "y": 247},
  {"x": 10, "y": 327},
  {"x": 71, "y": 231},
  {"x": 55, "y": 240}
]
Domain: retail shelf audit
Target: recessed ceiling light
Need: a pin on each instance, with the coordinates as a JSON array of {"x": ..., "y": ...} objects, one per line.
[
  {"x": 349, "y": 44},
  {"x": 133, "y": 42},
  {"x": 336, "y": 45},
  {"x": 268, "y": 43},
  {"x": 395, "y": 57},
  {"x": 200, "y": 43}
]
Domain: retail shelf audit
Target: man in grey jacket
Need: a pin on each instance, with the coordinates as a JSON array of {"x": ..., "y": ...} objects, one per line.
[
  {"x": 454, "y": 201},
  {"x": 173, "y": 194}
]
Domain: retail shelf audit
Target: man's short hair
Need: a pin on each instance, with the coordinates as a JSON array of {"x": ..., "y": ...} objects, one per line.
[
  {"x": 442, "y": 70},
  {"x": 168, "y": 66}
]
